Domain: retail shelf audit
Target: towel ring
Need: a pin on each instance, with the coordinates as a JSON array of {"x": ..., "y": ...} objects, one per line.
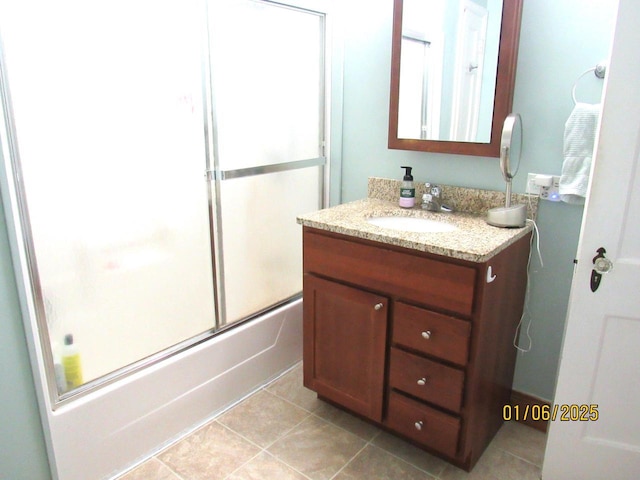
[{"x": 599, "y": 70}]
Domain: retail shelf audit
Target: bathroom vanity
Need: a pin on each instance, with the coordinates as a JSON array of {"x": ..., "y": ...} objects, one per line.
[{"x": 414, "y": 331}]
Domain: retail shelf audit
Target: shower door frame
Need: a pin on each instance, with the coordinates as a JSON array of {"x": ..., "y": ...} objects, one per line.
[
  {"x": 33, "y": 302},
  {"x": 53, "y": 408},
  {"x": 212, "y": 175}
]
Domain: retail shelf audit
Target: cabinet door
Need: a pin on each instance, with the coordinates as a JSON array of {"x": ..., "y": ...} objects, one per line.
[{"x": 344, "y": 345}]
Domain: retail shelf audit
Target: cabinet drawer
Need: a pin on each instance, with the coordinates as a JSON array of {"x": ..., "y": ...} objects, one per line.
[
  {"x": 426, "y": 379},
  {"x": 397, "y": 273},
  {"x": 431, "y": 333},
  {"x": 423, "y": 424}
]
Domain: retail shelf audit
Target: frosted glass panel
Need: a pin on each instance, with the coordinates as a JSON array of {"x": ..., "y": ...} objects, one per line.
[
  {"x": 108, "y": 112},
  {"x": 262, "y": 243},
  {"x": 267, "y": 81},
  {"x": 413, "y": 82},
  {"x": 267, "y": 67},
  {"x": 110, "y": 119}
]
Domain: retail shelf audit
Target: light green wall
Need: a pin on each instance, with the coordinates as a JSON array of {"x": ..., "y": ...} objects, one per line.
[
  {"x": 22, "y": 449},
  {"x": 559, "y": 40}
]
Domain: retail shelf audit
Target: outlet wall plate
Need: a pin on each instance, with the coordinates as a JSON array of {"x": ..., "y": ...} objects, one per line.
[{"x": 551, "y": 193}]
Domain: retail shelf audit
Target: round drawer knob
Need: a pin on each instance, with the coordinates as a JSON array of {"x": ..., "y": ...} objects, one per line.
[
  {"x": 426, "y": 335},
  {"x": 378, "y": 306},
  {"x": 418, "y": 425},
  {"x": 422, "y": 381}
]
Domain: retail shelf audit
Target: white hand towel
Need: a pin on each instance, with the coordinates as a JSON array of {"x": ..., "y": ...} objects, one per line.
[{"x": 579, "y": 138}]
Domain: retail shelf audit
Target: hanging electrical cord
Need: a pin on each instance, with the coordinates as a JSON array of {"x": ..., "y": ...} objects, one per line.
[{"x": 525, "y": 312}]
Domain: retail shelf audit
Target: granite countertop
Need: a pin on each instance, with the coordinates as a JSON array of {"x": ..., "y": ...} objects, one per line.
[{"x": 474, "y": 240}]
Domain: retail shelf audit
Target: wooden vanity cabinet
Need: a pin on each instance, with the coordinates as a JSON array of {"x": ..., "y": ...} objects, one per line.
[{"x": 420, "y": 344}]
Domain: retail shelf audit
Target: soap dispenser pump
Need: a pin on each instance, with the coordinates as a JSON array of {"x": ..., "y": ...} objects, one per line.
[{"x": 407, "y": 190}]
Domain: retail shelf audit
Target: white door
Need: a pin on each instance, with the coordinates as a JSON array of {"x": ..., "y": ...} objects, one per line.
[
  {"x": 472, "y": 37},
  {"x": 600, "y": 362}
]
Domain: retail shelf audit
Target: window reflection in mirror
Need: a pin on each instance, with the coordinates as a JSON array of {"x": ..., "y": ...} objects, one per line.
[{"x": 448, "y": 63}]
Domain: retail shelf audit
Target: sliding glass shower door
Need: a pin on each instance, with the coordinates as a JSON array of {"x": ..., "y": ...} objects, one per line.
[
  {"x": 161, "y": 152},
  {"x": 107, "y": 104},
  {"x": 268, "y": 83}
]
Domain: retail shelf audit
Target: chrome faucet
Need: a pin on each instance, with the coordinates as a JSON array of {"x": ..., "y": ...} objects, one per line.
[{"x": 432, "y": 200}]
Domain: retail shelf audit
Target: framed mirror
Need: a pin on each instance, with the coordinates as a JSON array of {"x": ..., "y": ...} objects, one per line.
[{"x": 453, "y": 70}]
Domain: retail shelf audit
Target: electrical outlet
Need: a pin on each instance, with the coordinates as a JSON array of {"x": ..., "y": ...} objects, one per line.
[
  {"x": 545, "y": 186},
  {"x": 532, "y": 187}
]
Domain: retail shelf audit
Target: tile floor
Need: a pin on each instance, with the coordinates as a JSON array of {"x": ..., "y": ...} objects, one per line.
[{"x": 284, "y": 432}]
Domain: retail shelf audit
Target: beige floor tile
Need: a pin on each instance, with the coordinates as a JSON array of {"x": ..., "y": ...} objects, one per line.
[
  {"x": 263, "y": 418},
  {"x": 373, "y": 463},
  {"x": 329, "y": 443},
  {"x": 290, "y": 387},
  {"x": 495, "y": 464},
  {"x": 265, "y": 467},
  {"x": 415, "y": 456},
  {"x": 349, "y": 422},
  {"x": 522, "y": 441},
  {"x": 317, "y": 448},
  {"x": 210, "y": 453},
  {"x": 152, "y": 469}
]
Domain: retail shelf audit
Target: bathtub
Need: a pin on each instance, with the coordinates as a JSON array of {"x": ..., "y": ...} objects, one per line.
[{"x": 106, "y": 432}]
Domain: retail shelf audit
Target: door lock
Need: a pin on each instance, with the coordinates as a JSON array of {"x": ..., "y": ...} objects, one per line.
[{"x": 601, "y": 265}]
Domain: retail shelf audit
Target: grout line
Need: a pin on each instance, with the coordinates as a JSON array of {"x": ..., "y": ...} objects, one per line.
[
  {"x": 178, "y": 476},
  {"x": 346, "y": 429},
  {"x": 240, "y": 435},
  {"x": 352, "y": 458},
  {"x": 264, "y": 449},
  {"x": 286, "y": 464},
  {"x": 293, "y": 403},
  {"x": 519, "y": 457},
  {"x": 397, "y": 457},
  {"x": 309, "y": 414},
  {"x": 198, "y": 426},
  {"x": 288, "y": 401},
  {"x": 245, "y": 463},
  {"x": 369, "y": 442}
]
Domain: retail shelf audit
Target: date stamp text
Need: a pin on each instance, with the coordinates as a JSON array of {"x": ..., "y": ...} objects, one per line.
[{"x": 565, "y": 412}]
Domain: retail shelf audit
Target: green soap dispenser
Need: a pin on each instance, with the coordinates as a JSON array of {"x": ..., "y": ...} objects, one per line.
[{"x": 407, "y": 190}]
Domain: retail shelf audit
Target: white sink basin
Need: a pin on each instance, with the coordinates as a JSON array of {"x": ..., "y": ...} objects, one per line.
[{"x": 412, "y": 224}]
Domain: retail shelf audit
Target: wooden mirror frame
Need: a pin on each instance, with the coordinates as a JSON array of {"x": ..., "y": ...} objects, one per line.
[{"x": 505, "y": 81}]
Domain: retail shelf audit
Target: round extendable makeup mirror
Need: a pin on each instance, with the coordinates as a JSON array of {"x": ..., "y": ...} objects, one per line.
[{"x": 510, "y": 152}]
